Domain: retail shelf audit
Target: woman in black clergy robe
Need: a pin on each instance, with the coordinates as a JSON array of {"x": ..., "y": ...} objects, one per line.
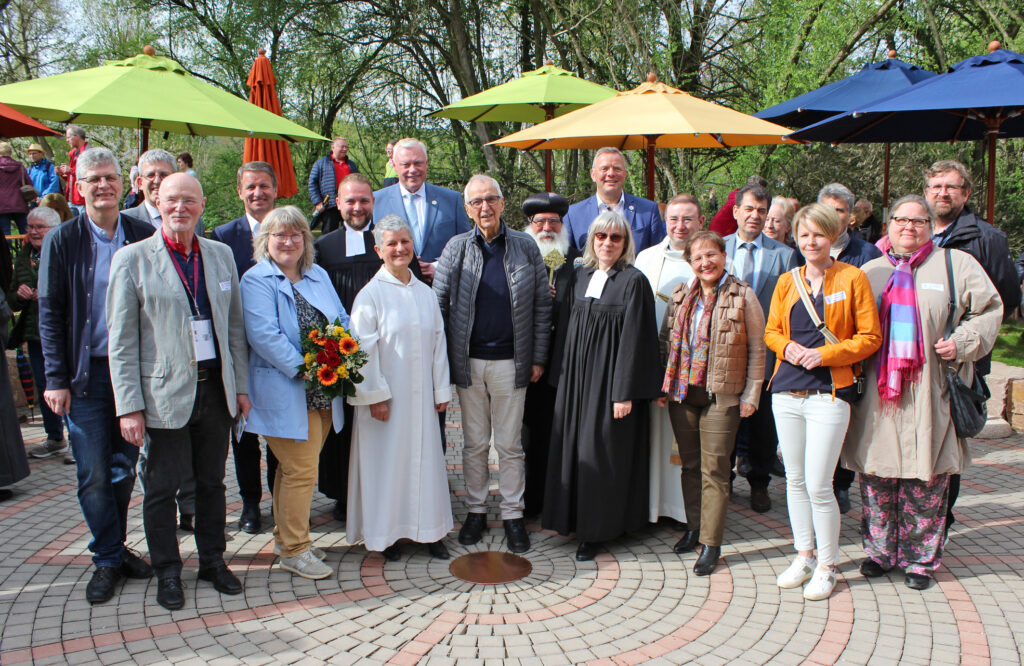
[{"x": 610, "y": 370}]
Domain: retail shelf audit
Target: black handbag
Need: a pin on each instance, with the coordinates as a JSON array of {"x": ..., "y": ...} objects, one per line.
[{"x": 968, "y": 405}]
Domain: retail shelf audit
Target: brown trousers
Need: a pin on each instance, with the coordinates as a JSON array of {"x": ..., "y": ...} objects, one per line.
[{"x": 705, "y": 434}]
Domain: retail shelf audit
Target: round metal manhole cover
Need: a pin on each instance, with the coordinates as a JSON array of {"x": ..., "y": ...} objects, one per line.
[{"x": 490, "y": 567}]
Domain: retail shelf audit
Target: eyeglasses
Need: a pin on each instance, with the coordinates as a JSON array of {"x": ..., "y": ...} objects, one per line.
[
  {"x": 602, "y": 237},
  {"x": 948, "y": 188},
  {"x": 546, "y": 221},
  {"x": 173, "y": 202},
  {"x": 477, "y": 203},
  {"x": 917, "y": 222},
  {"x": 38, "y": 227},
  {"x": 282, "y": 237},
  {"x": 92, "y": 180}
]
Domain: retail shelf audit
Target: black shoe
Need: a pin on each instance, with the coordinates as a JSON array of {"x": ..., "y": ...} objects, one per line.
[
  {"x": 742, "y": 465},
  {"x": 587, "y": 550},
  {"x": 249, "y": 521},
  {"x": 5, "y": 494},
  {"x": 223, "y": 580},
  {"x": 101, "y": 586},
  {"x": 169, "y": 593},
  {"x": 340, "y": 512},
  {"x": 843, "y": 497},
  {"x": 688, "y": 542},
  {"x": 133, "y": 566},
  {"x": 918, "y": 581},
  {"x": 759, "y": 500},
  {"x": 393, "y": 553},
  {"x": 516, "y": 536},
  {"x": 185, "y": 523},
  {"x": 438, "y": 550},
  {"x": 777, "y": 467},
  {"x": 473, "y": 529},
  {"x": 705, "y": 564},
  {"x": 871, "y": 569}
]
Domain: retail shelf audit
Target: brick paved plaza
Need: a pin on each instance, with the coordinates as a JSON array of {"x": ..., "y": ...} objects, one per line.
[{"x": 638, "y": 602}]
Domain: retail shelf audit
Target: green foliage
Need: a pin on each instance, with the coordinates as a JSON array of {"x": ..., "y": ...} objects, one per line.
[{"x": 1009, "y": 347}]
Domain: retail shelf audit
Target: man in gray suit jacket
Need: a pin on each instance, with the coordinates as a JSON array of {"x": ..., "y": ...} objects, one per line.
[
  {"x": 179, "y": 369},
  {"x": 154, "y": 166},
  {"x": 758, "y": 261}
]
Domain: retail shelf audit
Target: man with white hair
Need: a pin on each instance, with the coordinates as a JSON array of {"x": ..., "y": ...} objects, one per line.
[
  {"x": 492, "y": 287},
  {"x": 849, "y": 248}
]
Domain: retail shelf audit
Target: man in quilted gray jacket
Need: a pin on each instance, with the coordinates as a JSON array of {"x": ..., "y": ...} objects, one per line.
[{"x": 492, "y": 286}]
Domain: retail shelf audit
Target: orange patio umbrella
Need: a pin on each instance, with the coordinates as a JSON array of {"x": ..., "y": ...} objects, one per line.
[{"x": 262, "y": 93}]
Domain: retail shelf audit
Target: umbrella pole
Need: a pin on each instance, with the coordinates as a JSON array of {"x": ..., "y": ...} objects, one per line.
[
  {"x": 144, "y": 135},
  {"x": 549, "y": 113},
  {"x": 650, "y": 166},
  {"x": 991, "y": 133},
  {"x": 885, "y": 179}
]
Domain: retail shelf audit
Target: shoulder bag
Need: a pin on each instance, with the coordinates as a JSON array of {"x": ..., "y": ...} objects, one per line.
[{"x": 967, "y": 404}]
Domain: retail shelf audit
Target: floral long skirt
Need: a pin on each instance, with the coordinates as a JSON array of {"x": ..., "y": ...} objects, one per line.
[{"x": 903, "y": 521}]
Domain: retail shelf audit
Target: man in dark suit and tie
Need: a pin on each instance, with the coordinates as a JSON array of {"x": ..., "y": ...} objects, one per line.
[
  {"x": 257, "y": 188},
  {"x": 434, "y": 213},
  {"x": 759, "y": 261},
  {"x": 609, "y": 175}
]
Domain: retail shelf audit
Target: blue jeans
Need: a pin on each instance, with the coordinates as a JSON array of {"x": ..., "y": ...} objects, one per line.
[
  {"x": 52, "y": 424},
  {"x": 106, "y": 465}
]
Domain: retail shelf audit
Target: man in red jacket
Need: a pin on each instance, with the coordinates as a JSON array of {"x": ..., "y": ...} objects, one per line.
[{"x": 76, "y": 138}]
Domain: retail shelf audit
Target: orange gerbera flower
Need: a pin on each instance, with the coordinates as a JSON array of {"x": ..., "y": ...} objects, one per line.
[
  {"x": 348, "y": 346},
  {"x": 315, "y": 336},
  {"x": 327, "y": 376}
]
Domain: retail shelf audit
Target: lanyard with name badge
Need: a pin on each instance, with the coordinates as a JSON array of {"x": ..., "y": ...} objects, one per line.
[{"x": 202, "y": 327}]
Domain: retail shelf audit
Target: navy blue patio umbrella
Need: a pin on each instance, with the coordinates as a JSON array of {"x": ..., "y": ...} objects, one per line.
[{"x": 978, "y": 98}]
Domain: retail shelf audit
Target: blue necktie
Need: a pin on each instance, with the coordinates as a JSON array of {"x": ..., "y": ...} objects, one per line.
[
  {"x": 414, "y": 222},
  {"x": 747, "y": 275}
]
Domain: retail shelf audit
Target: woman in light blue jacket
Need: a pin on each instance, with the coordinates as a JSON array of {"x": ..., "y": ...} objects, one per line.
[{"x": 284, "y": 293}]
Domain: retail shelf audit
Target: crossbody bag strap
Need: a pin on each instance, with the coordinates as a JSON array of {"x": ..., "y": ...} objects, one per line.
[
  {"x": 952, "y": 294},
  {"x": 801, "y": 289}
]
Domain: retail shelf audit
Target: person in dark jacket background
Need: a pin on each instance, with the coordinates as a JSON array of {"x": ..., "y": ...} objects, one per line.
[{"x": 13, "y": 175}]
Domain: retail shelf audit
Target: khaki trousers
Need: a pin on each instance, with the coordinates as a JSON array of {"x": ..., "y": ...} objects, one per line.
[
  {"x": 706, "y": 434},
  {"x": 297, "y": 465}
]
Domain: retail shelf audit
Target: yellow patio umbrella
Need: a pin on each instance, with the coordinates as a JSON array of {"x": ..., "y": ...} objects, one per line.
[{"x": 652, "y": 115}]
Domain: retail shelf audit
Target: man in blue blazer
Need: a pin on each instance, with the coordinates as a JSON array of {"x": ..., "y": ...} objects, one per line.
[
  {"x": 257, "y": 188},
  {"x": 759, "y": 261},
  {"x": 434, "y": 213},
  {"x": 609, "y": 175}
]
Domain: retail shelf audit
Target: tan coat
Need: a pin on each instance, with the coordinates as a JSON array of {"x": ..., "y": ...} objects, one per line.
[
  {"x": 917, "y": 440},
  {"x": 736, "y": 356}
]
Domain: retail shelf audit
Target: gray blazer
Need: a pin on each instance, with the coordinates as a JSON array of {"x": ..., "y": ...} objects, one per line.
[{"x": 152, "y": 363}]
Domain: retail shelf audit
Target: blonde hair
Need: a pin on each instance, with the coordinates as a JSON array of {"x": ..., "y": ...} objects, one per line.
[
  {"x": 285, "y": 217},
  {"x": 612, "y": 222},
  {"x": 5, "y": 149},
  {"x": 824, "y": 217}
]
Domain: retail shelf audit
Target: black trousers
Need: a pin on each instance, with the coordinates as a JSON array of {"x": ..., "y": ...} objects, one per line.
[
  {"x": 246, "y": 451},
  {"x": 757, "y": 436},
  {"x": 205, "y": 436}
]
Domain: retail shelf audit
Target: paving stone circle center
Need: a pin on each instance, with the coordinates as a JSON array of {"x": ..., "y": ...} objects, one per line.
[{"x": 490, "y": 567}]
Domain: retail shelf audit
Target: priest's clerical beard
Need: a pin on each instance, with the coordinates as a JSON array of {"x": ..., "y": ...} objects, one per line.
[{"x": 548, "y": 241}]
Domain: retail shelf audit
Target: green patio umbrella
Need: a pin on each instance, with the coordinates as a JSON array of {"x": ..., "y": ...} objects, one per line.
[
  {"x": 148, "y": 92},
  {"x": 536, "y": 96}
]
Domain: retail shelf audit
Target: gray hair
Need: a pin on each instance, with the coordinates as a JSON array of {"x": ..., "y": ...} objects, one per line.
[
  {"x": 610, "y": 221},
  {"x": 837, "y": 191},
  {"x": 606, "y": 151},
  {"x": 47, "y": 216},
  {"x": 480, "y": 178},
  {"x": 410, "y": 142},
  {"x": 76, "y": 130},
  {"x": 912, "y": 198},
  {"x": 285, "y": 217},
  {"x": 93, "y": 158},
  {"x": 156, "y": 155},
  {"x": 392, "y": 223}
]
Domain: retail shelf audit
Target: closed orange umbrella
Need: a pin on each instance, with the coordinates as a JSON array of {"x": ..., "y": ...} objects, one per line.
[{"x": 277, "y": 154}]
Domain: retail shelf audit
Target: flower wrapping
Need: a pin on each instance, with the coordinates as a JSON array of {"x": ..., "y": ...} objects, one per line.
[{"x": 331, "y": 360}]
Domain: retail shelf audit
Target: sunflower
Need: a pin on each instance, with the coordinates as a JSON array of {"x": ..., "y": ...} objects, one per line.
[
  {"x": 348, "y": 346},
  {"x": 326, "y": 376}
]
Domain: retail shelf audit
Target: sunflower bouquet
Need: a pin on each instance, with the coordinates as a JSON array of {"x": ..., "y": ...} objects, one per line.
[{"x": 331, "y": 360}]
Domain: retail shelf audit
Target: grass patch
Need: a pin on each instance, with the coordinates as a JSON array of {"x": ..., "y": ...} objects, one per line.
[{"x": 1009, "y": 347}]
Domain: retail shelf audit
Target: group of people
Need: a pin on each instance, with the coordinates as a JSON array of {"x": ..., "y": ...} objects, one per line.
[{"x": 617, "y": 359}]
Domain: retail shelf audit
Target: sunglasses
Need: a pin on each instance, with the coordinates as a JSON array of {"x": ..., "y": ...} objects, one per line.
[{"x": 602, "y": 237}]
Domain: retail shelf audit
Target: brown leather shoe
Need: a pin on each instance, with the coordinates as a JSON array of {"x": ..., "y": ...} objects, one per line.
[{"x": 759, "y": 499}]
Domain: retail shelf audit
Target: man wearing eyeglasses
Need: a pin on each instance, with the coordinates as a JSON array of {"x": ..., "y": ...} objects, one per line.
[
  {"x": 492, "y": 287},
  {"x": 180, "y": 374},
  {"x": 154, "y": 166},
  {"x": 73, "y": 273}
]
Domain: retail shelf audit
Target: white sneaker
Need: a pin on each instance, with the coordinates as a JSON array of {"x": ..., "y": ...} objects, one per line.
[
  {"x": 306, "y": 565},
  {"x": 50, "y": 447},
  {"x": 798, "y": 573},
  {"x": 822, "y": 584},
  {"x": 317, "y": 553}
]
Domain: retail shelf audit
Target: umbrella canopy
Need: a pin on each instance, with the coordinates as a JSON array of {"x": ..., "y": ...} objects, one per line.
[
  {"x": 980, "y": 97},
  {"x": 148, "y": 92},
  {"x": 652, "y": 115},
  {"x": 277, "y": 153},
  {"x": 15, "y": 123},
  {"x": 536, "y": 96},
  {"x": 874, "y": 81}
]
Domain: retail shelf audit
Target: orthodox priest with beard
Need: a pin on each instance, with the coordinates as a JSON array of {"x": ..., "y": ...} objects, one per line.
[
  {"x": 348, "y": 257},
  {"x": 545, "y": 212}
]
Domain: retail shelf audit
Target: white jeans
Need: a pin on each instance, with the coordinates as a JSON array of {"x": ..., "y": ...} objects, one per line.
[
  {"x": 492, "y": 402},
  {"x": 811, "y": 432}
]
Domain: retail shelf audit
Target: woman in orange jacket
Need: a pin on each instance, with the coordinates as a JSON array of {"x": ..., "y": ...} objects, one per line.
[{"x": 813, "y": 385}]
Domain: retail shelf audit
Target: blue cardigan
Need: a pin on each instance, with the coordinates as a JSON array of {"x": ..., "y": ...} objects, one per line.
[{"x": 277, "y": 392}]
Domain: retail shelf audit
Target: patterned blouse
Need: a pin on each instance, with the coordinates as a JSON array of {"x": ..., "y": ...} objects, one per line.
[{"x": 309, "y": 318}]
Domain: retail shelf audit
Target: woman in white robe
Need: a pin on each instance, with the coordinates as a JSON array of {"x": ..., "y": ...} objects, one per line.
[{"x": 398, "y": 485}]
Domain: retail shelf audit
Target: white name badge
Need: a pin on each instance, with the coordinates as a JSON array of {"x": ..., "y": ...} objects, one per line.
[
  {"x": 933, "y": 286},
  {"x": 202, "y": 338},
  {"x": 225, "y": 285},
  {"x": 835, "y": 298}
]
